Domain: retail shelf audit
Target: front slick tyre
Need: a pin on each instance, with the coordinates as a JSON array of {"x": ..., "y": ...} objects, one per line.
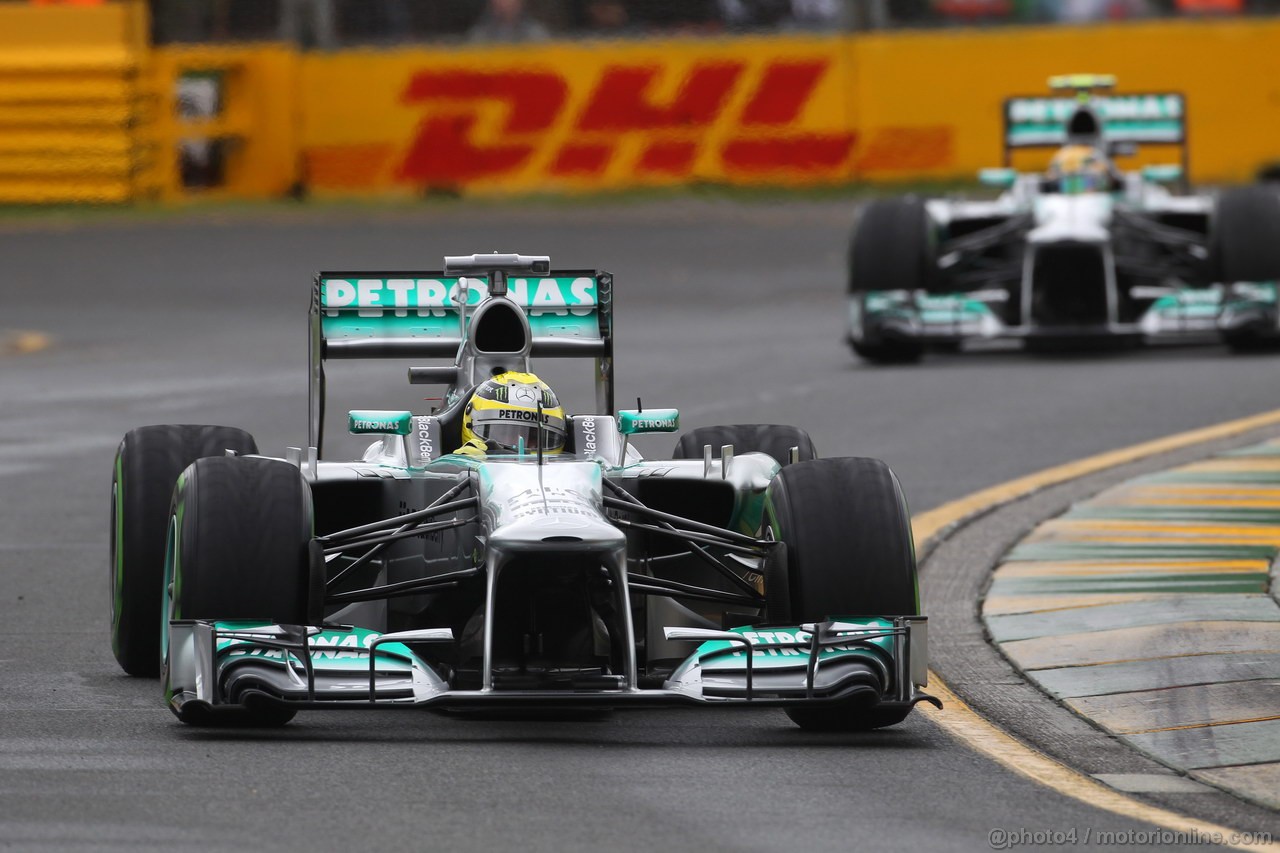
[
  {"x": 850, "y": 552},
  {"x": 893, "y": 248},
  {"x": 888, "y": 351},
  {"x": 844, "y": 719},
  {"x": 241, "y": 551},
  {"x": 147, "y": 464},
  {"x": 1251, "y": 344}
]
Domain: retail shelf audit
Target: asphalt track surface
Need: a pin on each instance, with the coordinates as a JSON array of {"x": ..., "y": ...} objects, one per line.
[{"x": 731, "y": 312}]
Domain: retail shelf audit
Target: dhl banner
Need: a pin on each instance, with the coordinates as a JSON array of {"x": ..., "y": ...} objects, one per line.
[
  {"x": 782, "y": 110},
  {"x": 589, "y": 116},
  {"x": 89, "y": 111}
]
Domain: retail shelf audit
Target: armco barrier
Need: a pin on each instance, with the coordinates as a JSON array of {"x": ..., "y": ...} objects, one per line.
[{"x": 72, "y": 96}]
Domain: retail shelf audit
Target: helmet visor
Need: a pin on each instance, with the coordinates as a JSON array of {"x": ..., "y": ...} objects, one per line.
[
  {"x": 1081, "y": 182},
  {"x": 509, "y": 436}
]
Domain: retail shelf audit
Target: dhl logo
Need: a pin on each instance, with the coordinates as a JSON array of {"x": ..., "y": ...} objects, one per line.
[
  {"x": 446, "y": 152},
  {"x": 738, "y": 119}
]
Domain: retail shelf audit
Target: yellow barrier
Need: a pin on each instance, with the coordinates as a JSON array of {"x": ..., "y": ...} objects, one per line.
[
  {"x": 578, "y": 116},
  {"x": 255, "y": 125},
  {"x": 71, "y": 96},
  {"x": 957, "y": 81},
  {"x": 781, "y": 110},
  {"x": 88, "y": 112}
]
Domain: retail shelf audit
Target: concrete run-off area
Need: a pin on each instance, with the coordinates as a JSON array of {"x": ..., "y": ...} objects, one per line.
[{"x": 1150, "y": 611}]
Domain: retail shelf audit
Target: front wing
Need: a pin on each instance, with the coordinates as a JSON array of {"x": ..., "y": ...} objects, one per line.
[
  {"x": 1187, "y": 313},
  {"x": 867, "y": 662}
]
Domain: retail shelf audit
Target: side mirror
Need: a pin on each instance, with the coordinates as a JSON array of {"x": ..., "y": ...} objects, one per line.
[
  {"x": 632, "y": 422},
  {"x": 1002, "y": 178},
  {"x": 361, "y": 422},
  {"x": 1163, "y": 174}
]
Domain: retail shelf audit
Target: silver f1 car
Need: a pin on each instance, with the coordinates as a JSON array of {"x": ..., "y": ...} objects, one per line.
[
  {"x": 742, "y": 572},
  {"x": 1082, "y": 255}
]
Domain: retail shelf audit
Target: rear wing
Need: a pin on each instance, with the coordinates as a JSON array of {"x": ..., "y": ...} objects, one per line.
[
  {"x": 418, "y": 315},
  {"x": 1154, "y": 118}
]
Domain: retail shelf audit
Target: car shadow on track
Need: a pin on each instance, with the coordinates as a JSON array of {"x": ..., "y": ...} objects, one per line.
[
  {"x": 1015, "y": 356},
  {"x": 617, "y": 732}
]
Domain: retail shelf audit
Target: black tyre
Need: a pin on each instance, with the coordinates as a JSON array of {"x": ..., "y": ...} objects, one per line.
[
  {"x": 1248, "y": 342},
  {"x": 1243, "y": 244},
  {"x": 881, "y": 349},
  {"x": 773, "y": 439},
  {"x": 892, "y": 248},
  {"x": 846, "y": 720},
  {"x": 241, "y": 550},
  {"x": 147, "y": 464},
  {"x": 850, "y": 552},
  {"x": 1078, "y": 345}
]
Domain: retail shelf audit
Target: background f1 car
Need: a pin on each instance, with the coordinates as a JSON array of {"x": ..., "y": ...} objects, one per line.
[
  {"x": 1122, "y": 262},
  {"x": 742, "y": 572}
]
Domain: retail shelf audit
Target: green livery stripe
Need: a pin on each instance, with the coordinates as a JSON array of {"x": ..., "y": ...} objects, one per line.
[
  {"x": 723, "y": 654},
  {"x": 174, "y": 550},
  {"x": 364, "y": 421},
  {"x": 330, "y": 649},
  {"x": 172, "y": 578},
  {"x": 542, "y": 324},
  {"x": 117, "y": 598},
  {"x": 636, "y": 422},
  {"x": 1128, "y": 129},
  {"x": 959, "y": 311}
]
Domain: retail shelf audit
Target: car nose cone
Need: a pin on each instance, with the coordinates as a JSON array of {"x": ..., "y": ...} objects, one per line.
[{"x": 559, "y": 530}]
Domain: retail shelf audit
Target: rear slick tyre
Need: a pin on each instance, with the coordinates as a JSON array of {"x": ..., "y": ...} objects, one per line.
[{"x": 774, "y": 439}]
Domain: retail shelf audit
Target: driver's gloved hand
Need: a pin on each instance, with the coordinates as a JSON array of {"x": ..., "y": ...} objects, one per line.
[{"x": 474, "y": 448}]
